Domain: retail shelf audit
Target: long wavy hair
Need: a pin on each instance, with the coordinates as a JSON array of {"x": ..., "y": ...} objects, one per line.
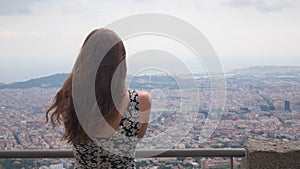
[{"x": 62, "y": 109}]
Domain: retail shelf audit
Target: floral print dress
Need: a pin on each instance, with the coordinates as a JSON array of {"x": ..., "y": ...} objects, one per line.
[{"x": 116, "y": 151}]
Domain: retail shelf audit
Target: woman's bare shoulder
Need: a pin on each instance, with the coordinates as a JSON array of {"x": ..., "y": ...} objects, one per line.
[{"x": 145, "y": 100}]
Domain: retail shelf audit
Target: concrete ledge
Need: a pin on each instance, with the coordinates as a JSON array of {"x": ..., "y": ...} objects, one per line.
[{"x": 271, "y": 155}]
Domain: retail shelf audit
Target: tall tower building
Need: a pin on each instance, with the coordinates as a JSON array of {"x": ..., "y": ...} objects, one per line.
[{"x": 287, "y": 105}]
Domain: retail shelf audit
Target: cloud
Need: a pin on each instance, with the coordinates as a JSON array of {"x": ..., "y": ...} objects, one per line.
[
  {"x": 261, "y": 5},
  {"x": 16, "y": 34},
  {"x": 26, "y": 7},
  {"x": 15, "y": 7}
]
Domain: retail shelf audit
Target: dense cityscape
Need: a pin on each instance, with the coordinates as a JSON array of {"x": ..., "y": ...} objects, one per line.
[{"x": 262, "y": 103}]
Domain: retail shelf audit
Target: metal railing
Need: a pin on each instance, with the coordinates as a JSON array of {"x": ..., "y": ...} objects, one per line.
[{"x": 158, "y": 153}]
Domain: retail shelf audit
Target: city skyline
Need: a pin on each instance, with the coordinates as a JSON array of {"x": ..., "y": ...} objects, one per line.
[{"x": 262, "y": 104}]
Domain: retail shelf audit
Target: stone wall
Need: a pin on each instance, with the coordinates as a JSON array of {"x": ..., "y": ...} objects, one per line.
[{"x": 271, "y": 155}]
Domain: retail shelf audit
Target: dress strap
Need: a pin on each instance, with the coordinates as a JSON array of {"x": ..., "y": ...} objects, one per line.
[
  {"x": 135, "y": 99},
  {"x": 130, "y": 122},
  {"x": 133, "y": 108}
]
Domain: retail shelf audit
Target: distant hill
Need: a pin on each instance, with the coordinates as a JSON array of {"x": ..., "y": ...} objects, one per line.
[
  {"x": 268, "y": 70},
  {"x": 156, "y": 81},
  {"x": 137, "y": 82},
  {"x": 55, "y": 80}
]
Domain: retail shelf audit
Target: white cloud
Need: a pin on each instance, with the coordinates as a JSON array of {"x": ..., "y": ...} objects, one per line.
[
  {"x": 16, "y": 34},
  {"x": 263, "y": 5}
]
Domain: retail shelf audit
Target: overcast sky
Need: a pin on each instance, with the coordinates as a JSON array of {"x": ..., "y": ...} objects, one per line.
[{"x": 43, "y": 37}]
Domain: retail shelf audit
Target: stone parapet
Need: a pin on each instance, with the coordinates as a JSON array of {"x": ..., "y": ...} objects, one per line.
[{"x": 271, "y": 155}]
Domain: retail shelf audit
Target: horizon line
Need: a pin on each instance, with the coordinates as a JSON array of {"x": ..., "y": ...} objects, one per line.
[{"x": 128, "y": 74}]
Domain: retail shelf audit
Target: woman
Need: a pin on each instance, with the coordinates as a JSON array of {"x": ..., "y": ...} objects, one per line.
[{"x": 112, "y": 139}]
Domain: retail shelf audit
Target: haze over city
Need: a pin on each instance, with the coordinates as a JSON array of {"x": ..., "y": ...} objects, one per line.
[{"x": 39, "y": 38}]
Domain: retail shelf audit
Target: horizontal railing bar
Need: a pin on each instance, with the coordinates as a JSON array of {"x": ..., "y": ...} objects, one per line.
[
  {"x": 36, "y": 154},
  {"x": 230, "y": 152},
  {"x": 191, "y": 153}
]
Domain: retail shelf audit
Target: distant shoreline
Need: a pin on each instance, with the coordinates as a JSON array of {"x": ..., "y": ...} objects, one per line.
[{"x": 225, "y": 71}]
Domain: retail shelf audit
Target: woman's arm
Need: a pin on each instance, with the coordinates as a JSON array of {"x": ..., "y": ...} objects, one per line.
[{"x": 144, "y": 114}]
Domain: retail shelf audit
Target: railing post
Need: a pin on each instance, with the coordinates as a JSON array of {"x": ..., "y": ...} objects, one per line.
[{"x": 231, "y": 162}]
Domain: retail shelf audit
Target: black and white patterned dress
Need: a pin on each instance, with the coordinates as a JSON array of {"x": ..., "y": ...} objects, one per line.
[{"x": 116, "y": 151}]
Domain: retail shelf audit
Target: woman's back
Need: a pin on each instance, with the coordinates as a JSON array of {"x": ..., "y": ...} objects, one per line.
[
  {"x": 116, "y": 151},
  {"x": 102, "y": 120}
]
